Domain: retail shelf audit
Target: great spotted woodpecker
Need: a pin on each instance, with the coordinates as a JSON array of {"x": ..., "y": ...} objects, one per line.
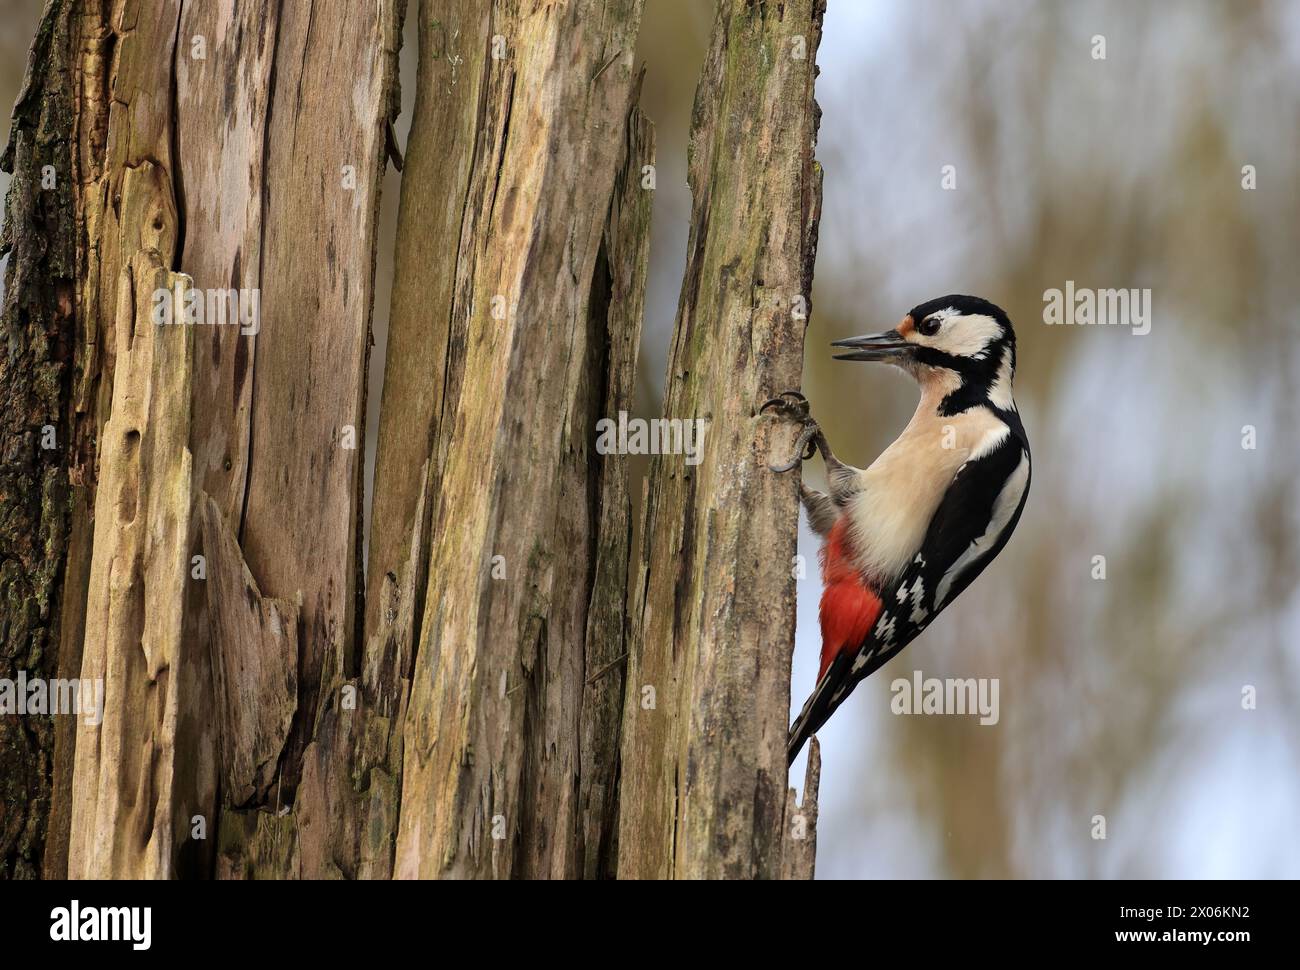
[{"x": 904, "y": 537}]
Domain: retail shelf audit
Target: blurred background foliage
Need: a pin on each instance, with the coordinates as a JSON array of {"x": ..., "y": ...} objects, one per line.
[{"x": 1119, "y": 697}]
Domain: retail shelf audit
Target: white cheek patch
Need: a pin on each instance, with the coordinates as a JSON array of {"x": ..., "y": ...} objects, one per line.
[{"x": 967, "y": 336}]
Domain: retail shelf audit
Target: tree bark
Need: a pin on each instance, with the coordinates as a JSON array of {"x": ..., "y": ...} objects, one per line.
[
  {"x": 37, "y": 321},
  {"x": 704, "y": 769}
]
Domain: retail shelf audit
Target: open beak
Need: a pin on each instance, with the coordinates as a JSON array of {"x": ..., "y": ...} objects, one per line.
[{"x": 889, "y": 345}]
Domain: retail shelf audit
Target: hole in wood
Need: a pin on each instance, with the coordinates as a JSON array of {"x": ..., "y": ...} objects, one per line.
[{"x": 129, "y": 497}]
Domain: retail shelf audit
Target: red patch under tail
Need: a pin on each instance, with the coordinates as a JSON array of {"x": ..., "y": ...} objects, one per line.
[{"x": 849, "y": 607}]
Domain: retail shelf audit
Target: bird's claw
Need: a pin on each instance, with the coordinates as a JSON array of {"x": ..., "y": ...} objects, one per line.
[
  {"x": 794, "y": 404},
  {"x": 799, "y": 405}
]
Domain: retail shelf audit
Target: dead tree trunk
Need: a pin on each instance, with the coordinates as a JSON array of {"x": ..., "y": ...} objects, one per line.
[
  {"x": 249, "y": 149},
  {"x": 475, "y": 706},
  {"x": 492, "y": 740},
  {"x": 704, "y": 790}
]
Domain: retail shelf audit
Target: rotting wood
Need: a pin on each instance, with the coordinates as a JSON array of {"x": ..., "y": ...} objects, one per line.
[
  {"x": 501, "y": 540},
  {"x": 492, "y": 733},
  {"x": 622, "y": 268},
  {"x": 444, "y": 142},
  {"x": 704, "y": 772},
  {"x": 119, "y": 184},
  {"x": 122, "y": 794},
  {"x": 222, "y": 112},
  {"x": 351, "y": 776},
  {"x": 254, "y": 663},
  {"x": 324, "y": 149},
  {"x": 345, "y": 819},
  {"x": 334, "y": 84}
]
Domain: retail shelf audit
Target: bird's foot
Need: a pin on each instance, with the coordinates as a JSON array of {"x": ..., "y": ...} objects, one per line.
[
  {"x": 793, "y": 405},
  {"x": 787, "y": 403}
]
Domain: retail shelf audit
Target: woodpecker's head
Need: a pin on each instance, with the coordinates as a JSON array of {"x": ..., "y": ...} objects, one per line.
[{"x": 961, "y": 345}]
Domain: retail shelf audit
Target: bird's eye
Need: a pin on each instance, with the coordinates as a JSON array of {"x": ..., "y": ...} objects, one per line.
[{"x": 928, "y": 327}]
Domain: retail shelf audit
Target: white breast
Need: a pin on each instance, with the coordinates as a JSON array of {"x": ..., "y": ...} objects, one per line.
[{"x": 902, "y": 489}]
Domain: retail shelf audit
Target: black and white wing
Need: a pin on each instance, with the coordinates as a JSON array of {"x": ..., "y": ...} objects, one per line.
[{"x": 974, "y": 520}]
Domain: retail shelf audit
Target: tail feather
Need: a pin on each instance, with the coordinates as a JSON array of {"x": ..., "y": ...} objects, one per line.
[{"x": 819, "y": 706}]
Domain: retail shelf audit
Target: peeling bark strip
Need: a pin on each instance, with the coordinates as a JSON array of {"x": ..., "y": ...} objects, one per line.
[
  {"x": 492, "y": 735},
  {"x": 704, "y": 772},
  {"x": 122, "y": 807},
  {"x": 37, "y": 327}
]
